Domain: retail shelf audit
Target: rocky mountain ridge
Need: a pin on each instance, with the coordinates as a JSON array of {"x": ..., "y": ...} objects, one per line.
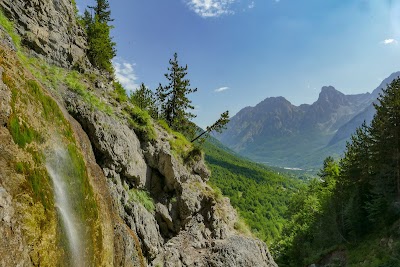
[
  {"x": 75, "y": 121},
  {"x": 278, "y": 133}
]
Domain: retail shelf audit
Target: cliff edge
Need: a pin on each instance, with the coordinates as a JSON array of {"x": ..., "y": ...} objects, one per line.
[{"x": 138, "y": 191}]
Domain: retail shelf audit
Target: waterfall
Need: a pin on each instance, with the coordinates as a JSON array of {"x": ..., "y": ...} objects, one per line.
[{"x": 57, "y": 163}]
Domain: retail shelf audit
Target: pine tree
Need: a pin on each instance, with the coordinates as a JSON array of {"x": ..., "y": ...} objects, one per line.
[
  {"x": 353, "y": 187},
  {"x": 385, "y": 154},
  {"x": 101, "y": 48},
  {"x": 175, "y": 106},
  {"x": 217, "y": 126},
  {"x": 144, "y": 98},
  {"x": 102, "y": 11}
]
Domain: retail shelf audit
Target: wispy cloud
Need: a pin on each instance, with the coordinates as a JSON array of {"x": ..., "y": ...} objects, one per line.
[
  {"x": 251, "y": 5},
  {"x": 211, "y": 8},
  {"x": 221, "y": 89},
  {"x": 125, "y": 74},
  {"x": 389, "y": 41}
]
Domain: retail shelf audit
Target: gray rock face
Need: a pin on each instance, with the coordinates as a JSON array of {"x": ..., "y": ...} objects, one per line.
[
  {"x": 11, "y": 241},
  {"x": 117, "y": 146},
  {"x": 5, "y": 99},
  {"x": 190, "y": 225},
  {"x": 240, "y": 251},
  {"x": 49, "y": 28}
]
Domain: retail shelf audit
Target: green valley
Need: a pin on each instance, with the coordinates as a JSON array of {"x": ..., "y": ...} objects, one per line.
[{"x": 259, "y": 194}]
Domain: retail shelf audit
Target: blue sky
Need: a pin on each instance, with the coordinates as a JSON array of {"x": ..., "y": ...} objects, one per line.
[{"x": 240, "y": 51}]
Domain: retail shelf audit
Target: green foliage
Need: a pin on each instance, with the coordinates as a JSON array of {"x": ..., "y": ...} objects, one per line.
[
  {"x": 143, "y": 197},
  {"x": 180, "y": 146},
  {"x": 49, "y": 106},
  {"x": 141, "y": 123},
  {"x": 41, "y": 187},
  {"x": 217, "y": 126},
  {"x": 174, "y": 104},
  {"x": 102, "y": 11},
  {"x": 120, "y": 93},
  {"x": 101, "y": 48},
  {"x": 259, "y": 194},
  {"x": 144, "y": 98},
  {"x": 8, "y": 26},
  {"x": 312, "y": 228},
  {"x": 352, "y": 205},
  {"x": 20, "y": 167},
  {"x": 54, "y": 77},
  {"x": 20, "y": 131}
]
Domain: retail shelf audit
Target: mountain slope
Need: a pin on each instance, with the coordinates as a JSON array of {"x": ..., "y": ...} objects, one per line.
[
  {"x": 277, "y": 133},
  {"x": 346, "y": 130},
  {"x": 259, "y": 194},
  {"x": 88, "y": 179}
]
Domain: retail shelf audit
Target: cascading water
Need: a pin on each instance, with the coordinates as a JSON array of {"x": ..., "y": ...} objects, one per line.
[{"x": 57, "y": 164}]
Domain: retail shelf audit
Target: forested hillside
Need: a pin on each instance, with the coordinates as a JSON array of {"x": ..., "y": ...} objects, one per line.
[
  {"x": 259, "y": 194},
  {"x": 350, "y": 215}
]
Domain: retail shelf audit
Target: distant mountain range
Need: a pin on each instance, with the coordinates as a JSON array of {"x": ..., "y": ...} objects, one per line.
[{"x": 277, "y": 133}]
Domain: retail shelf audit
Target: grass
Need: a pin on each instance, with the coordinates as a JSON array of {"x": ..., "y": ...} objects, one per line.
[
  {"x": 119, "y": 93},
  {"x": 141, "y": 123},
  {"x": 20, "y": 131},
  {"x": 180, "y": 146},
  {"x": 54, "y": 77},
  {"x": 50, "y": 109},
  {"x": 10, "y": 29},
  {"x": 241, "y": 226},
  {"x": 142, "y": 197}
]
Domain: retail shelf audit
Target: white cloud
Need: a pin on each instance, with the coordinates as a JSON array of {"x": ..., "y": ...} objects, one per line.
[
  {"x": 221, "y": 89},
  {"x": 211, "y": 8},
  {"x": 125, "y": 74},
  {"x": 251, "y": 5},
  {"x": 389, "y": 41}
]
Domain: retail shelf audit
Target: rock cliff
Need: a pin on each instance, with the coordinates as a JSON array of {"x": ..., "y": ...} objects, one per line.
[
  {"x": 142, "y": 200},
  {"x": 49, "y": 28}
]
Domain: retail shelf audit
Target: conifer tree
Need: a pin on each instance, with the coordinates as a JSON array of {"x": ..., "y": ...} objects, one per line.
[
  {"x": 144, "y": 98},
  {"x": 174, "y": 104},
  {"x": 102, "y": 11},
  {"x": 101, "y": 48},
  {"x": 217, "y": 126},
  {"x": 353, "y": 187},
  {"x": 385, "y": 153}
]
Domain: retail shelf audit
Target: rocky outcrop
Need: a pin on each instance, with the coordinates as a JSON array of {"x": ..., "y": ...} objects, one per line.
[
  {"x": 49, "y": 28},
  {"x": 190, "y": 225},
  {"x": 186, "y": 223}
]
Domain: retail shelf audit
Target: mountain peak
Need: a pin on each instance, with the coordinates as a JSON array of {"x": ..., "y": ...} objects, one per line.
[{"x": 329, "y": 93}]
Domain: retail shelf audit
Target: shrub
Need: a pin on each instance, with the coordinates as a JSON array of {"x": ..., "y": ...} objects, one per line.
[
  {"x": 120, "y": 93},
  {"x": 142, "y": 197},
  {"x": 141, "y": 123}
]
